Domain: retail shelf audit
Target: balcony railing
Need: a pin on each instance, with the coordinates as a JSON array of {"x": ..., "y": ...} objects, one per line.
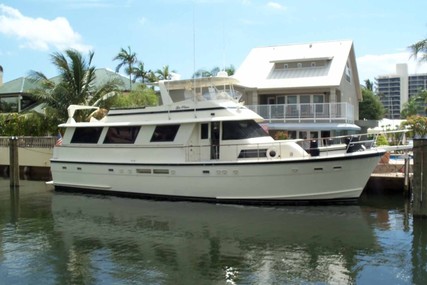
[{"x": 312, "y": 112}]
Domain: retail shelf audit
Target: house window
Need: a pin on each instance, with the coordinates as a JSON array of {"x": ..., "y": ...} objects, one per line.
[
  {"x": 279, "y": 65},
  {"x": 285, "y": 66},
  {"x": 9, "y": 104},
  {"x": 305, "y": 105},
  {"x": 299, "y": 64},
  {"x": 313, "y": 64},
  {"x": 318, "y": 100},
  {"x": 281, "y": 99},
  {"x": 348, "y": 72}
]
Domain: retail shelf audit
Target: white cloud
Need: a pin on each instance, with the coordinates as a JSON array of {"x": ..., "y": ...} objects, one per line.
[
  {"x": 276, "y": 6},
  {"x": 39, "y": 33},
  {"x": 372, "y": 66}
]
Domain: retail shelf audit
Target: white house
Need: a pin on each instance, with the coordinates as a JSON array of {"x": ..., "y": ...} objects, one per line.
[{"x": 308, "y": 90}]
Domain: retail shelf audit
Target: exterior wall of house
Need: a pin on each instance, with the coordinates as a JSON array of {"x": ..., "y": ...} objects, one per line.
[
  {"x": 307, "y": 90},
  {"x": 347, "y": 93}
]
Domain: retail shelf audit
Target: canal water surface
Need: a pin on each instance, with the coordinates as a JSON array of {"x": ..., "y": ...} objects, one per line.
[{"x": 50, "y": 237}]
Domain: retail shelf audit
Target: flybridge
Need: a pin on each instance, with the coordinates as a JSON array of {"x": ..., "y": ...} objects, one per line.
[
  {"x": 174, "y": 93},
  {"x": 198, "y": 90},
  {"x": 73, "y": 108}
]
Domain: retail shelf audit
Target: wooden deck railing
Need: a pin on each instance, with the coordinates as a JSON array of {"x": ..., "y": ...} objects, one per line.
[{"x": 31, "y": 142}]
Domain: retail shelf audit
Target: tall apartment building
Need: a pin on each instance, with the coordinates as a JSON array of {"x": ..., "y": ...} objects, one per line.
[{"x": 396, "y": 89}]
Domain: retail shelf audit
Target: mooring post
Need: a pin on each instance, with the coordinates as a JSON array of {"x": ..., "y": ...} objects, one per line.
[
  {"x": 419, "y": 188},
  {"x": 13, "y": 162},
  {"x": 406, "y": 181}
]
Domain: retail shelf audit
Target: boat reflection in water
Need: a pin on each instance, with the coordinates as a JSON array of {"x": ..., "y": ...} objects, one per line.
[{"x": 161, "y": 242}]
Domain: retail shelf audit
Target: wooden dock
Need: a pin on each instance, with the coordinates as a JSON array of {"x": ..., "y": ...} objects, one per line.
[{"x": 391, "y": 177}]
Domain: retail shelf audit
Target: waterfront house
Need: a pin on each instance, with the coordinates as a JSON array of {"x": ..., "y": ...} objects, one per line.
[
  {"x": 307, "y": 90},
  {"x": 16, "y": 97}
]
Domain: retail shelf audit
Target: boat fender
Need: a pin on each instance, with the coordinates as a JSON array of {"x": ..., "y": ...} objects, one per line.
[{"x": 272, "y": 153}]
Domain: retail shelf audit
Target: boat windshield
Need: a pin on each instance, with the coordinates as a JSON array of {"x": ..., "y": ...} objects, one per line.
[{"x": 237, "y": 130}]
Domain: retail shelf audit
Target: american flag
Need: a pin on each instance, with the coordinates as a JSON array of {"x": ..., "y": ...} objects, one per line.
[{"x": 58, "y": 140}]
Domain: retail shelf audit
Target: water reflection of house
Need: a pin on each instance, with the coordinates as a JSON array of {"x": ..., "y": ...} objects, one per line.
[
  {"x": 308, "y": 90},
  {"x": 312, "y": 244}
]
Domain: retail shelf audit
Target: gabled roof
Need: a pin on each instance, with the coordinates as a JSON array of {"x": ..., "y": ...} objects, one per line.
[
  {"x": 25, "y": 84},
  {"x": 103, "y": 75},
  {"x": 17, "y": 86},
  {"x": 259, "y": 69}
]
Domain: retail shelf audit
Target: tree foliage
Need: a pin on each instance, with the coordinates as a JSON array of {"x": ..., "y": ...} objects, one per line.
[
  {"x": 76, "y": 84},
  {"x": 418, "y": 125},
  {"x": 369, "y": 85},
  {"x": 165, "y": 73},
  {"x": 141, "y": 97},
  {"x": 126, "y": 58},
  {"x": 371, "y": 107},
  {"x": 419, "y": 50},
  {"x": 213, "y": 72},
  {"x": 28, "y": 124},
  {"x": 415, "y": 105}
]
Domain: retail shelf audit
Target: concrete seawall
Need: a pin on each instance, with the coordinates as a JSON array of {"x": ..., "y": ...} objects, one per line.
[{"x": 34, "y": 157}]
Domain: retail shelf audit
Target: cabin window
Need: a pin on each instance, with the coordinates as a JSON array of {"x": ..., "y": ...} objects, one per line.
[
  {"x": 237, "y": 130},
  {"x": 204, "y": 131},
  {"x": 86, "y": 135},
  {"x": 125, "y": 135},
  {"x": 253, "y": 153},
  {"x": 165, "y": 133}
]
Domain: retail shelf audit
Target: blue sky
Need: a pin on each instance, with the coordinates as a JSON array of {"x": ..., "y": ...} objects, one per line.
[{"x": 192, "y": 34}]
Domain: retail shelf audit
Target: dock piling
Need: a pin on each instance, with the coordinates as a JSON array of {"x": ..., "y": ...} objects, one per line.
[
  {"x": 13, "y": 162},
  {"x": 406, "y": 183},
  {"x": 419, "y": 181}
]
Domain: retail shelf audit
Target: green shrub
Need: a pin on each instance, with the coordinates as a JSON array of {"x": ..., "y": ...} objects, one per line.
[
  {"x": 382, "y": 140},
  {"x": 281, "y": 135},
  {"x": 28, "y": 124},
  {"x": 418, "y": 126}
]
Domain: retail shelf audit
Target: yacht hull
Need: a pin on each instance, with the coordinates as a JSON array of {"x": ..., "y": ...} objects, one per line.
[{"x": 339, "y": 178}]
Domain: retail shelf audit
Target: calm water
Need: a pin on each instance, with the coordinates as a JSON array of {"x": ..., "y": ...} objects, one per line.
[{"x": 49, "y": 237}]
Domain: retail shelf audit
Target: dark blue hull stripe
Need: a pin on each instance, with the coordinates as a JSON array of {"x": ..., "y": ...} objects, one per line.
[{"x": 242, "y": 163}]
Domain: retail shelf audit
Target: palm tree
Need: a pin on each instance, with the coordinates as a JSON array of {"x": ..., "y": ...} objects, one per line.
[
  {"x": 152, "y": 77},
  {"x": 74, "y": 85},
  {"x": 419, "y": 47},
  {"x": 410, "y": 108},
  {"x": 140, "y": 72},
  {"x": 369, "y": 85},
  {"x": 205, "y": 73},
  {"x": 202, "y": 73},
  {"x": 126, "y": 58},
  {"x": 213, "y": 72},
  {"x": 164, "y": 74},
  {"x": 230, "y": 70}
]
